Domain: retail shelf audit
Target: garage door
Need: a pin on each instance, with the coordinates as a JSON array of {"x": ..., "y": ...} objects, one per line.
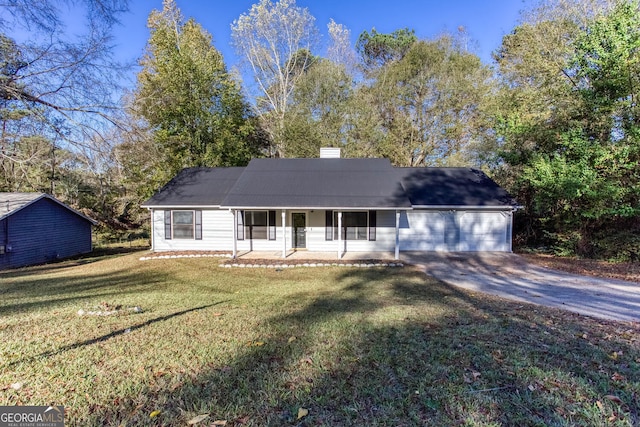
[
  {"x": 455, "y": 231},
  {"x": 484, "y": 231},
  {"x": 422, "y": 231}
]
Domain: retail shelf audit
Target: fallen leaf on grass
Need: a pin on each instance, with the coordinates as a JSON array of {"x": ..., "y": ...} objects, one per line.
[
  {"x": 600, "y": 405},
  {"x": 613, "y": 398},
  {"x": 197, "y": 419},
  {"x": 497, "y": 356},
  {"x": 219, "y": 423},
  {"x": 155, "y": 413},
  {"x": 291, "y": 339},
  {"x": 617, "y": 377},
  {"x": 302, "y": 412},
  {"x": 474, "y": 376}
]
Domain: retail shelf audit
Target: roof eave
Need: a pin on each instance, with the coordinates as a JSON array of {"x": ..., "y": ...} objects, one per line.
[
  {"x": 176, "y": 206},
  {"x": 469, "y": 207},
  {"x": 334, "y": 208},
  {"x": 53, "y": 199}
]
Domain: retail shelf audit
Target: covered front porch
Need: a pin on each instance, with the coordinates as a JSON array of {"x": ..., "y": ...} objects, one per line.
[
  {"x": 302, "y": 255},
  {"x": 316, "y": 233}
]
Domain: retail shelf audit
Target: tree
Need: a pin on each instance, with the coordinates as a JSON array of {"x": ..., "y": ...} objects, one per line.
[
  {"x": 426, "y": 97},
  {"x": 340, "y": 51},
  {"x": 569, "y": 126},
  {"x": 62, "y": 81},
  {"x": 276, "y": 41},
  {"x": 58, "y": 93},
  {"x": 318, "y": 114},
  {"x": 378, "y": 49},
  {"x": 194, "y": 109}
]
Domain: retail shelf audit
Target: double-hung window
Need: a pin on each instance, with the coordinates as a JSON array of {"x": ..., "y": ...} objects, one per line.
[
  {"x": 257, "y": 225},
  {"x": 358, "y": 225},
  {"x": 183, "y": 224}
]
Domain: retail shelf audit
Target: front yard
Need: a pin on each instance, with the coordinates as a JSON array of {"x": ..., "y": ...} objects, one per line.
[{"x": 302, "y": 346}]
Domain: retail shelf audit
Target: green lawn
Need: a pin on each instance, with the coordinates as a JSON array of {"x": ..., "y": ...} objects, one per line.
[{"x": 252, "y": 346}]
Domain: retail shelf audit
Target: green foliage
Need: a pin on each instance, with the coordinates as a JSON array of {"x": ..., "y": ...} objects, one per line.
[
  {"x": 194, "y": 109},
  {"x": 426, "y": 103},
  {"x": 318, "y": 112},
  {"x": 276, "y": 41},
  {"x": 570, "y": 136},
  {"x": 377, "y": 49}
]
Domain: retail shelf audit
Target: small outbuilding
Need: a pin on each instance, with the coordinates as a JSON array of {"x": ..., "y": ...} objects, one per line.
[{"x": 36, "y": 228}]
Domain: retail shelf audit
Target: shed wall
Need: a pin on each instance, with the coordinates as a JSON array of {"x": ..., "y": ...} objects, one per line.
[{"x": 41, "y": 232}]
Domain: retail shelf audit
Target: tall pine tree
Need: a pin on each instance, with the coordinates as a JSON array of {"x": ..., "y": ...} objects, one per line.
[{"x": 192, "y": 106}]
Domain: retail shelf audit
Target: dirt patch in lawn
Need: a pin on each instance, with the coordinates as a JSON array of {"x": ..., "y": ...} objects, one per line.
[{"x": 588, "y": 267}]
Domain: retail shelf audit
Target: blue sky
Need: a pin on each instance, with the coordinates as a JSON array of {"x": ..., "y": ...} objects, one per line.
[{"x": 485, "y": 21}]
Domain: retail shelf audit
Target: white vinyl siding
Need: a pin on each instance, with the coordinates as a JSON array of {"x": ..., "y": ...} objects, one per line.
[
  {"x": 217, "y": 233},
  {"x": 420, "y": 230},
  {"x": 385, "y": 235}
]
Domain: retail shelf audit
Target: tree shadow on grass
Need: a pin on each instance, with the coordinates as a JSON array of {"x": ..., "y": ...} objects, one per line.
[
  {"x": 110, "y": 335},
  {"x": 98, "y": 254},
  {"x": 51, "y": 293},
  {"x": 395, "y": 348}
]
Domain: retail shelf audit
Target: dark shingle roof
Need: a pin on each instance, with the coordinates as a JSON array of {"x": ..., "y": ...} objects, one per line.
[
  {"x": 317, "y": 183},
  {"x": 452, "y": 187},
  {"x": 196, "y": 187},
  {"x": 329, "y": 184}
]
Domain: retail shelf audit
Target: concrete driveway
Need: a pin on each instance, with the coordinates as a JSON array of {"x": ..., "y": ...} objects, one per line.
[{"x": 510, "y": 276}]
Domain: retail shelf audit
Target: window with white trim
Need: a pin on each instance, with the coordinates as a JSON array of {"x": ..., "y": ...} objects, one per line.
[
  {"x": 257, "y": 225},
  {"x": 356, "y": 225},
  {"x": 183, "y": 224}
]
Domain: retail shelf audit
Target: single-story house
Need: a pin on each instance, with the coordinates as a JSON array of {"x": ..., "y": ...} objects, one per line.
[
  {"x": 36, "y": 228},
  {"x": 331, "y": 204}
]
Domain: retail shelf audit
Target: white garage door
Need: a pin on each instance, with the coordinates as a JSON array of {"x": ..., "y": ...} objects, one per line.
[
  {"x": 455, "y": 231},
  {"x": 484, "y": 231},
  {"x": 422, "y": 231}
]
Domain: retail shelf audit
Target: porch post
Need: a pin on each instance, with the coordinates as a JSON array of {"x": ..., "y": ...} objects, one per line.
[
  {"x": 397, "y": 254},
  {"x": 339, "y": 234},
  {"x": 284, "y": 233},
  {"x": 153, "y": 248},
  {"x": 235, "y": 233}
]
